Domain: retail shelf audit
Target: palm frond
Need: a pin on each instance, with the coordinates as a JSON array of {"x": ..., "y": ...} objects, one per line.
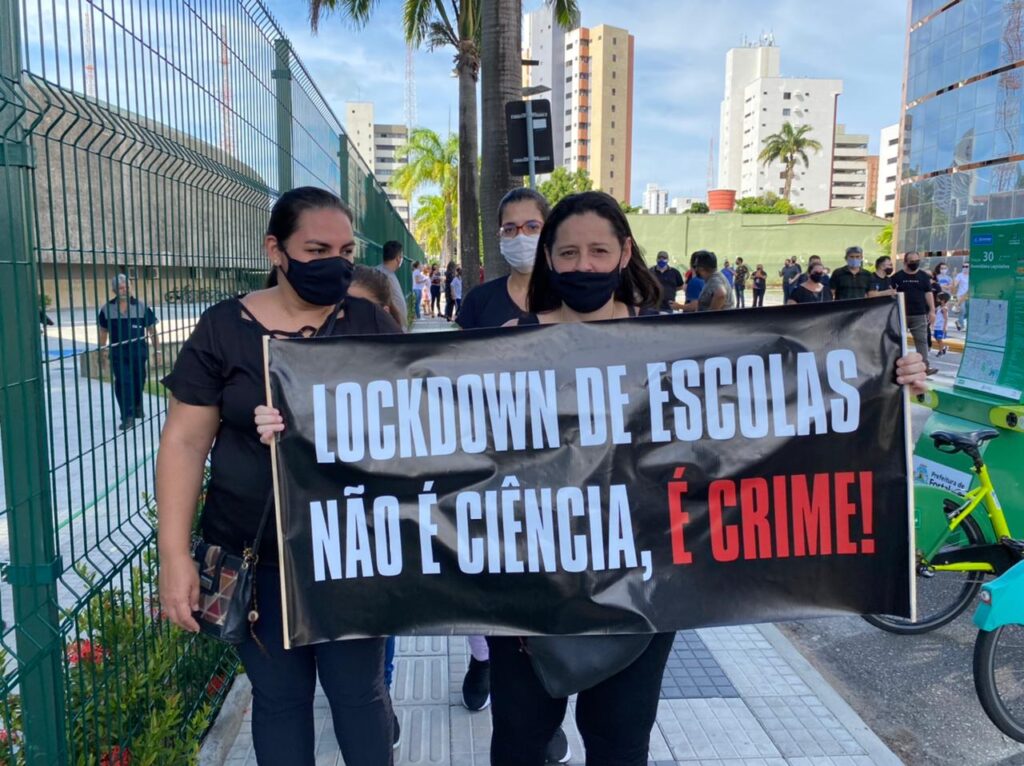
[{"x": 357, "y": 11}]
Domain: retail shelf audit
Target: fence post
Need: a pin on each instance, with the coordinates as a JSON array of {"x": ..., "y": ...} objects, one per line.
[
  {"x": 344, "y": 192},
  {"x": 34, "y": 565},
  {"x": 283, "y": 77}
]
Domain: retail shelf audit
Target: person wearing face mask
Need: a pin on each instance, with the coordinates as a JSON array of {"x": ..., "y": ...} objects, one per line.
[
  {"x": 942, "y": 277},
  {"x": 962, "y": 286},
  {"x": 916, "y": 287},
  {"x": 851, "y": 281},
  {"x": 588, "y": 268},
  {"x": 521, "y": 215},
  {"x": 881, "y": 280},
  {"x": 717, "y": 293},
  {"x": 670, "y": 280},
  {"x": 813, "y": 290},
  {"x": 215, "y": 386},
  {"x": 392, "y": 261}
]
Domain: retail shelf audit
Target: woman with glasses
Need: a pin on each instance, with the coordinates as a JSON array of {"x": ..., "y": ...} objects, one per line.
[{"x": 521, "y": 214}]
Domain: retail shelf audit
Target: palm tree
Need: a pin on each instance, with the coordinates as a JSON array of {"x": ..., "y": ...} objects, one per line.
[
  {"x": 432, "y": 161},
  {"x": 787, "y": 147},
  {"x": 438, "y": 24},
  {"x": 502, "y": 81},
  {"x": 431, "y": 224}
]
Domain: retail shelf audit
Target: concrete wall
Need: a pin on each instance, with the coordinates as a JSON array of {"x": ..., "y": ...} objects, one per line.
[{"x": 766, "y": 239}]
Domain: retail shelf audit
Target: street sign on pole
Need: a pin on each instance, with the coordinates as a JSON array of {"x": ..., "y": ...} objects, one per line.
[{"x": 530, "y": 143}]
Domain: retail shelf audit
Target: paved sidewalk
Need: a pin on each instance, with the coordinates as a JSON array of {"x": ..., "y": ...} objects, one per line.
[{"x": 739, "y": 695}]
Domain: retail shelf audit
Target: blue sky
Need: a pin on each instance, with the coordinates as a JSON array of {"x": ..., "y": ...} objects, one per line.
[{"x": 679, "y": 77}]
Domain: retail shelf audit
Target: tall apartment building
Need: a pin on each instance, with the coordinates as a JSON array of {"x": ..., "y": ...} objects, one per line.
[
  {"x": 655, "y": 200},
  {"x": 756, "y": 103},
  {"x": 377, "y": 145},
  {"x": 850, "y": 170},
  {"x": 872, "y": 192},
  {"x": 742, "y": 67},
  {"x": 593, "y": 69},
  {"x": 359, "y": 127},
  {"x": 888, "y": 170},
  {"x": 544, "y": 42}
]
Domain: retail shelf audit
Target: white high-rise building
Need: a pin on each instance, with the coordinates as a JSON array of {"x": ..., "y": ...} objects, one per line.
[
  {"x": 757, "y": 103},
  {"x": 742, "y": 67},
  {"x": 544, "y": 42},
  {"x": 850, "y": 170},
  {"x": 377, "y": 145},
  {"x": 655, "y": 200},
  {"x": 359, "y": 127},
  {"x": 888, "y": 170},
  {"x": 682, "y": 204}
]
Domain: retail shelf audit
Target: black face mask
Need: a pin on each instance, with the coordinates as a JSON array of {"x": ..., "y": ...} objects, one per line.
[
  {"x": 889, "y": 270},
  {"x": 913, "y": 265},
  {"x": 585, "y": 291},
  {"x": 320, "y": 282},
  {"x": 816, "y": 277}
]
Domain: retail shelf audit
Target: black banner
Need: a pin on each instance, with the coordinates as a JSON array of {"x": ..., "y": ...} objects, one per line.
[{"x": 639, "y": 475}]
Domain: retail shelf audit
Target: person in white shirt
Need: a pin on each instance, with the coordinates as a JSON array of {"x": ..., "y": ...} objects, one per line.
[
  {"x": 962, "y": 286},
  {"x": 420, "y": 282},
  {"x": 457, "y": 290}
]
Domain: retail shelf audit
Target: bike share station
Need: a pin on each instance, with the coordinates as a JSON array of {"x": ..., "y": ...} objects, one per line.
[{"x": 988, "y": 394}]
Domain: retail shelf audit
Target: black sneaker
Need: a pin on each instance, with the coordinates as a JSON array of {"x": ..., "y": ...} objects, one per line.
[
  {"x": 558, "y": 750},
  {"x": 396, "y": 738},
  {"x": 476, "y": 686}
]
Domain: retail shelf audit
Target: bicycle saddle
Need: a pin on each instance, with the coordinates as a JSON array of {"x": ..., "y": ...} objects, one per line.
[{"x": 969, "y": 441}]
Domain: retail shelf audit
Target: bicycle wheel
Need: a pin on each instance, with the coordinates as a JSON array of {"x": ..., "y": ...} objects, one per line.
[
  {"x": 941, "y": 596},
  {"x": 999, "y": 677}
]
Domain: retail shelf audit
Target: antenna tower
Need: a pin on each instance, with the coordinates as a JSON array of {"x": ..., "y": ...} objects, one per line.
[
  {"x": 227, "y": 130},
  {"x": 410, "y": 87},
  {"x": 87, "y": 53}
]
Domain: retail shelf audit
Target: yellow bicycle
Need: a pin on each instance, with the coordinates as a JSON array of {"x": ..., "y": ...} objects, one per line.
[{"x": 951, "y": 569}]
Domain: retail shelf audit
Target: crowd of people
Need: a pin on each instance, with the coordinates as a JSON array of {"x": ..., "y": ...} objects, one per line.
[
  {"x": 577, "y": 262},
  {"x": 930, "y": 296}
]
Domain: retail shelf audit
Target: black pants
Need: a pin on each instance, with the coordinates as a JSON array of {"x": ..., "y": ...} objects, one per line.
[
  {"x": 435, "y": 301},
  {"x": 129, "y": 371},
  {"x": 283, "y": 683},
  {"x": 449, "y": 304},
  {"x": 615, "y": 717},
  {"x": 759, "y": 297},
  {"x": 741, "y": 300}
]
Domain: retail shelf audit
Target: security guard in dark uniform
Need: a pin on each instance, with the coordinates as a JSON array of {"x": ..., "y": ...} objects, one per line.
[{"x": 125, "y": 321}]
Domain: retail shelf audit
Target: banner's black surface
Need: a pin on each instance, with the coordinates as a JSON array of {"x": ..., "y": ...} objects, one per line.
[{"x": 521, "y": 481}]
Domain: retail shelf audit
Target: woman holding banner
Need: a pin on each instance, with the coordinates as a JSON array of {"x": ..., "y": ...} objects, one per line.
[
  {"x": 589, "y": 268},
  {"x": 216, "y": 383}
]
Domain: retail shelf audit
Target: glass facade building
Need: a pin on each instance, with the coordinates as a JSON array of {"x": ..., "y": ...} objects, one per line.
[{"x": 963, "y": 128}]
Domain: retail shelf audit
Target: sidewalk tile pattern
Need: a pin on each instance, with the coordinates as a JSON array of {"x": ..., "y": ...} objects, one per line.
[{"x": 728, "y": 698}]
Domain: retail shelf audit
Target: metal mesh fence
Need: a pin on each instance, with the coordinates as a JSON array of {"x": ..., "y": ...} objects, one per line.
[{"x": 147, "y": 138}]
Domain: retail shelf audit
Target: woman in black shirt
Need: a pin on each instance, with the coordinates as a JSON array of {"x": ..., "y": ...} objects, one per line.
[
  {"x": 813, "y": 290},
  {"x": 760, "y": 281},
  {"x": 216, "y": 383}
]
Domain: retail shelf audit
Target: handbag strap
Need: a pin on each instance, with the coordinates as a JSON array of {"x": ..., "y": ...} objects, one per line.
[{"x": 263, "y": 524}]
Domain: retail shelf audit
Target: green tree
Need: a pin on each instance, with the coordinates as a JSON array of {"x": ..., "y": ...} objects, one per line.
[
  {"x": 626, "y": 208},
  {"x": 767, "y": 203},
  {"x": 699, "y": 208},
  {"x": 562, "y": 183},
  {"x": 787, "y": 147},
  {"x": 884, "y": 239},
  {"x": 431, "y": 224},
  {"x": 501, "y": 82},
  {"x": 432, "y": 161},
  {"x": 440, "y": 24}
]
